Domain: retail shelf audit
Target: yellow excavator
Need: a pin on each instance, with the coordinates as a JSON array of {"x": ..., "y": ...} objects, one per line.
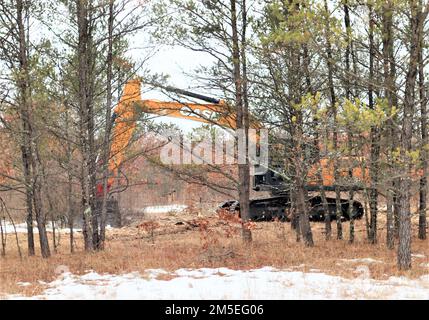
[
  {"x": 217, "y": 111},
  {"x": 131, "y": 104}
]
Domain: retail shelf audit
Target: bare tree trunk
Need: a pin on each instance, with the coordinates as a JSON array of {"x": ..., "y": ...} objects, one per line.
[
  {"x": 15, "y": 49},
  {"x": 70, "y": 205},
  {"x": 325, "y": 205},
  {"x": 389, "y": 220},
  {"x": 366, "y": 213},
  {"x": 242, "y": 123},
  {"x": 295, "y": 216},
  {"x": 423, "y": 185},
  {"x": 70, "y": 211},
  {"x": 82, "y": 21},
  {"x": 3, "y": 233},
  {"x": 396, "y": 207},
  {"x": 296, "y": 72},
  {"x": 54, "y": 235},
  {"x": 395, "y": 133},
  {"x": 416, "y": 28},
  {"x": 30, "y": 145},
  {"x": 387, "y": 37},
  {"x": 315, "y": 124},
  {"x": 333, "y": 102},
  {"x": 51, "y": 211},
  {"x": 4, "y": 207},
  {"x": 352, "y": 220},
  {"x": 108, "y": 128},
  {"x": 40, "y": 216},
  {"x": 88, "y": 178},
  {"x": 347, "y": 25},
  {"x": 86, "y": 210},
  {"x": 26, "y": 130},
  {"x": 375, "y": 137},
  {"x": 301, "y": 203},
  {"x": 28, "y": 197},
  {"x": 328, "y": 227}
]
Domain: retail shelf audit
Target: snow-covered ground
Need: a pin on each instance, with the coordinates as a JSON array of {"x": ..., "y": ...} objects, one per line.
[
  {"x": 223, "y": 283},
  {"x": 164, "y": 209},
  {"x": 22, "y": 228}
]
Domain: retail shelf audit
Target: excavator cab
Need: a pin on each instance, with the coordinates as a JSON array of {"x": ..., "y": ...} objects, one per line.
[{"x": 266, "y": 179}]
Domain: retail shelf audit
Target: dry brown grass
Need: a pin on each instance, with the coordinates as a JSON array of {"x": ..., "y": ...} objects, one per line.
[{"x": 186, "y": 246}]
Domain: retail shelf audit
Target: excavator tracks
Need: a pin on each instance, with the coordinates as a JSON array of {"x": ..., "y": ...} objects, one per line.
[{"x": 279, "y": 208}]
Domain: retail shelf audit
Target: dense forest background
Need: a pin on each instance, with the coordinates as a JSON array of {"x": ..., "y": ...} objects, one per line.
[{"x": 341, "y": 80}]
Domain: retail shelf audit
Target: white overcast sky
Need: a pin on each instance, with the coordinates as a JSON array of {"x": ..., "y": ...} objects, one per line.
[
  {"x": 175, "y": 62},
  {"x": 172, "y": 61}
]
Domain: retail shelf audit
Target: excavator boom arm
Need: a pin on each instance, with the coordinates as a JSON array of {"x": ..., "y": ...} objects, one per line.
[{"x": 131, "y": 105}]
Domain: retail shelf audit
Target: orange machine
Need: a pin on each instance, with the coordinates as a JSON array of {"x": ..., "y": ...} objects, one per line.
[
  {"x": 131, "y": 105},
  {"x": 214, "y": 112},
  {"x": 217, "y": 112}
]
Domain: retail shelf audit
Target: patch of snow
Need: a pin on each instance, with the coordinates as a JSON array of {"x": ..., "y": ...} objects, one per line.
[
  {"x": 164, "y": 209},
  {"x": 223, "y": 283},
  {"x": 91, "y": 276},
  {"x": 418, "y": 255},
  {"x": 153, "y": 273},
  {"x": 362, "y": 260},
  {"x": 23, "y": 284},
  {"x": 363, "y": 272},
  {"x": 22, "y": 228}
]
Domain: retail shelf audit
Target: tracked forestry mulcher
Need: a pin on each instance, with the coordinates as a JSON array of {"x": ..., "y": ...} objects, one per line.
[{"x": 215, "y": 111}]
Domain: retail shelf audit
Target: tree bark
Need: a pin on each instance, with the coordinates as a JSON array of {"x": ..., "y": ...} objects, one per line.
[
  {"x": 28, "y": 191},
  {"x": 375, "y": 138},
  {"x": 387, "y": 38},
  {"x": 86, "y": 113},
  {"x": 30, "y": 153},
  {"x": 242, "y": 123},
  {"x": 333, "y": 101},
  {"x": 108, "y": 128},
  {"x": 423, "y": 185},
  {"x": 348, "y": 53},
  {"x": 416, "y": 27}
]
